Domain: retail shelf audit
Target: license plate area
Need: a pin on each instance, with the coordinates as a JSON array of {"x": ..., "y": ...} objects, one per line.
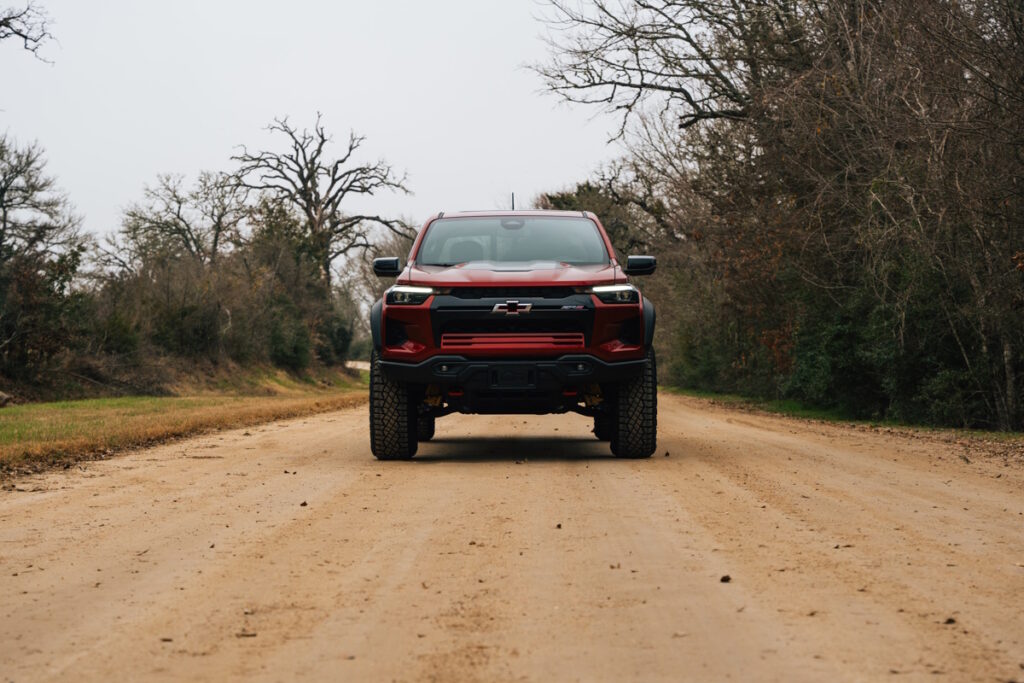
[{"x": 513, "y": 377}]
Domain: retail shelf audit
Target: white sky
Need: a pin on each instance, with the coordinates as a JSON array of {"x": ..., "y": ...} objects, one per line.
[{"x": 439, "y": 88}]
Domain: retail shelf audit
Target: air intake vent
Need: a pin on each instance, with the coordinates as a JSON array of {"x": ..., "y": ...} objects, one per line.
[{"x": 559, "y": 340}]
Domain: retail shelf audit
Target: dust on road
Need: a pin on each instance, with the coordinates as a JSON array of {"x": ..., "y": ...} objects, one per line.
[{"x": 515, "y": 548}]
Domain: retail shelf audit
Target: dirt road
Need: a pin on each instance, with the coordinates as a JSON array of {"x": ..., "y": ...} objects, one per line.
[{"x": 516, "y": 549}]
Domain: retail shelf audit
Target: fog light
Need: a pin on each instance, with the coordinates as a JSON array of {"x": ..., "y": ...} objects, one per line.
[
  {"x": 444, "y": 368},
  {"x": 580, "y": 367}
]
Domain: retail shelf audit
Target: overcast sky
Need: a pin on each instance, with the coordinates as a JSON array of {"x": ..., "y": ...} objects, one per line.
[{"x": 439, "y": 89}]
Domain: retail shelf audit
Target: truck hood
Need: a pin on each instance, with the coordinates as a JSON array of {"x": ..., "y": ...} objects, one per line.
[{"x": 492, "y": 274}]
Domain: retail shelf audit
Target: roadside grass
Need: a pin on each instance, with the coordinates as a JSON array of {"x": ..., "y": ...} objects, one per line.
[
  {"x": 796, "y": 409},
  {"x": 35, "y": 436},
  {"x": 782, "y": 407}
]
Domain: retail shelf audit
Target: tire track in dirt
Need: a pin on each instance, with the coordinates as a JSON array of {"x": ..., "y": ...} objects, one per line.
[{"x": 515, "y": 548}]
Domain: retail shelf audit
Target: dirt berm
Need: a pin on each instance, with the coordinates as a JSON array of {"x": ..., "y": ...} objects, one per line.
[{"x": 749, "y": 548}]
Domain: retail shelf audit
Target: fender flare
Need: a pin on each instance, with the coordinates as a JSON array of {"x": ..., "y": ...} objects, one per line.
[
  {"x": 649, "y": 320},
  {"x": 375, "y": 326}
]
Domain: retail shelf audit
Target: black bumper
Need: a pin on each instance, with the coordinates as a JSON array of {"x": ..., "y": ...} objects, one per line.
[
  {"x": 554, "y": 373},
  {"x": 499, "y": 386}
]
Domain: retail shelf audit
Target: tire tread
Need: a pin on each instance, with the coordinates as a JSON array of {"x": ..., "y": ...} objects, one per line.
[
  {"x": 392, "y": 417},
  {"x": 636, "y": 414}
]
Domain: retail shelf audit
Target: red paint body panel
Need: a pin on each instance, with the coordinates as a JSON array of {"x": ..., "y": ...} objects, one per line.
[
  {"x": 608, "y": 319},
  {"x": 467, "y": 276}
]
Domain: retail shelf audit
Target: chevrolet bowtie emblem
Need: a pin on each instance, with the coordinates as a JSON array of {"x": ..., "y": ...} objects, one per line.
[{"x": 512, "y": 307}]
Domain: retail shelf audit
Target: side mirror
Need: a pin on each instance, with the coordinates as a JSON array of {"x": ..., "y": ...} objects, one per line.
[
  {"x": 387, "y": 266},
  {"x": 640, "y": 265}
]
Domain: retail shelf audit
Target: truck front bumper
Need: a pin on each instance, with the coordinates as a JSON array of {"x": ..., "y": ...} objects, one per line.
[
  {"x": 512, "y": 386},
  {"x": 572, "y": 369}
]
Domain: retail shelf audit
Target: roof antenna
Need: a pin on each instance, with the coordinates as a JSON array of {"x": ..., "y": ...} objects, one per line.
[{"x": 513, "y": 201}]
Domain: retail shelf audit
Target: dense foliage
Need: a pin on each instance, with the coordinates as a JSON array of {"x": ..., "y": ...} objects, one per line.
[
  {"x": 196, "y": 275},
  {"x": 835, "y": 187}
]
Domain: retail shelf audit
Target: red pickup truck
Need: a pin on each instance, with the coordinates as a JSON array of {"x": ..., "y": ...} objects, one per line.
[{"x": 518, "y": 312}]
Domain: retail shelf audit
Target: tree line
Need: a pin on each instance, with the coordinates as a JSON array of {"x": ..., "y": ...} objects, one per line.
[
  {"x": 833, "y": 187},
  {"x": 235, "y": 266},
  {"x": 238, "y": 265}
]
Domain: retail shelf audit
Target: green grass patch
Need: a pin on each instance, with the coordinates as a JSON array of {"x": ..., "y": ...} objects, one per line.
[{"x": 36, "y": 435}]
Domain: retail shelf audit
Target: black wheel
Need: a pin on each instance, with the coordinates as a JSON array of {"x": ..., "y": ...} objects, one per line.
[
  {"x": 604, "y": 426},
  {"x": 425, "y": 428},
  {"x": 392, "y": 417},
  {"x": 636, "y": 414}
]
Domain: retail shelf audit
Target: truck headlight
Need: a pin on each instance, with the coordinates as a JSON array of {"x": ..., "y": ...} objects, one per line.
[
  {"x": 616, "y": 294},
  {"x": 407, "y": 295}
]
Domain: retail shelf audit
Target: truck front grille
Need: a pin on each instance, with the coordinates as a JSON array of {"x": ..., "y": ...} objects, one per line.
[
  {"x": 511, "y": 292},
  {"x": 465, "y": 318}
]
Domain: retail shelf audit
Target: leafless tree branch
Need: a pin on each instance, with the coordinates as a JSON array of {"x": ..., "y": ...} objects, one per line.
[
  {"x": 29, "y": 24},
  {"x": 317, "y": 186}
]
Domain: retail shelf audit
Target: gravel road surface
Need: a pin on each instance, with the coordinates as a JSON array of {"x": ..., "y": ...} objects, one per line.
[{"x": 750, "y": 547}]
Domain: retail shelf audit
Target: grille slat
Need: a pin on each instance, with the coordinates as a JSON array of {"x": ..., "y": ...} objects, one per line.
[
  {"x": 521, "y": 324},
  {"x": 566, "y": 340}
]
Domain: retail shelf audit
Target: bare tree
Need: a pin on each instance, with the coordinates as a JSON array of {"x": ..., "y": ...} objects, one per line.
[
  {"x": 859, "y": 162},
  {"x": 200, "y": 221},
  {"x": 40, "y": 249},
  {"x": 305, "y": 177},
  {"x": 29, "y": 24},
  {"x": 35, "y": 217},
  {"x": 697, "y": 58}
]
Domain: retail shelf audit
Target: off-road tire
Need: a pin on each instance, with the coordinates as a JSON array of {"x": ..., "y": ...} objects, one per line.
[
  {"x": 636, "y": 414},
  {"x": 604, "y": 427},
  {"x": 425, "y": 426},
  {"x": 392, "y": 416}
]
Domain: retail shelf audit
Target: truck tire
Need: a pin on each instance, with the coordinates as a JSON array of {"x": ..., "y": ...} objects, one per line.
[
  {"x": 392, "y": 417},
  {"x": 636, "y": 414},
  {"x": 425, "y": 428},
  {"x": 604, "y": 427}
]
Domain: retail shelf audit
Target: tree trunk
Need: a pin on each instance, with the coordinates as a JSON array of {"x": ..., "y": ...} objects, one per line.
[
  {"x": 1011, "y": 386},
  {"x": 325, "y": 271}
]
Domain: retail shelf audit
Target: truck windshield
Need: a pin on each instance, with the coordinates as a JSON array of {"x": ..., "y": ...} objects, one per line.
[{"x": 512, "y": 239}]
